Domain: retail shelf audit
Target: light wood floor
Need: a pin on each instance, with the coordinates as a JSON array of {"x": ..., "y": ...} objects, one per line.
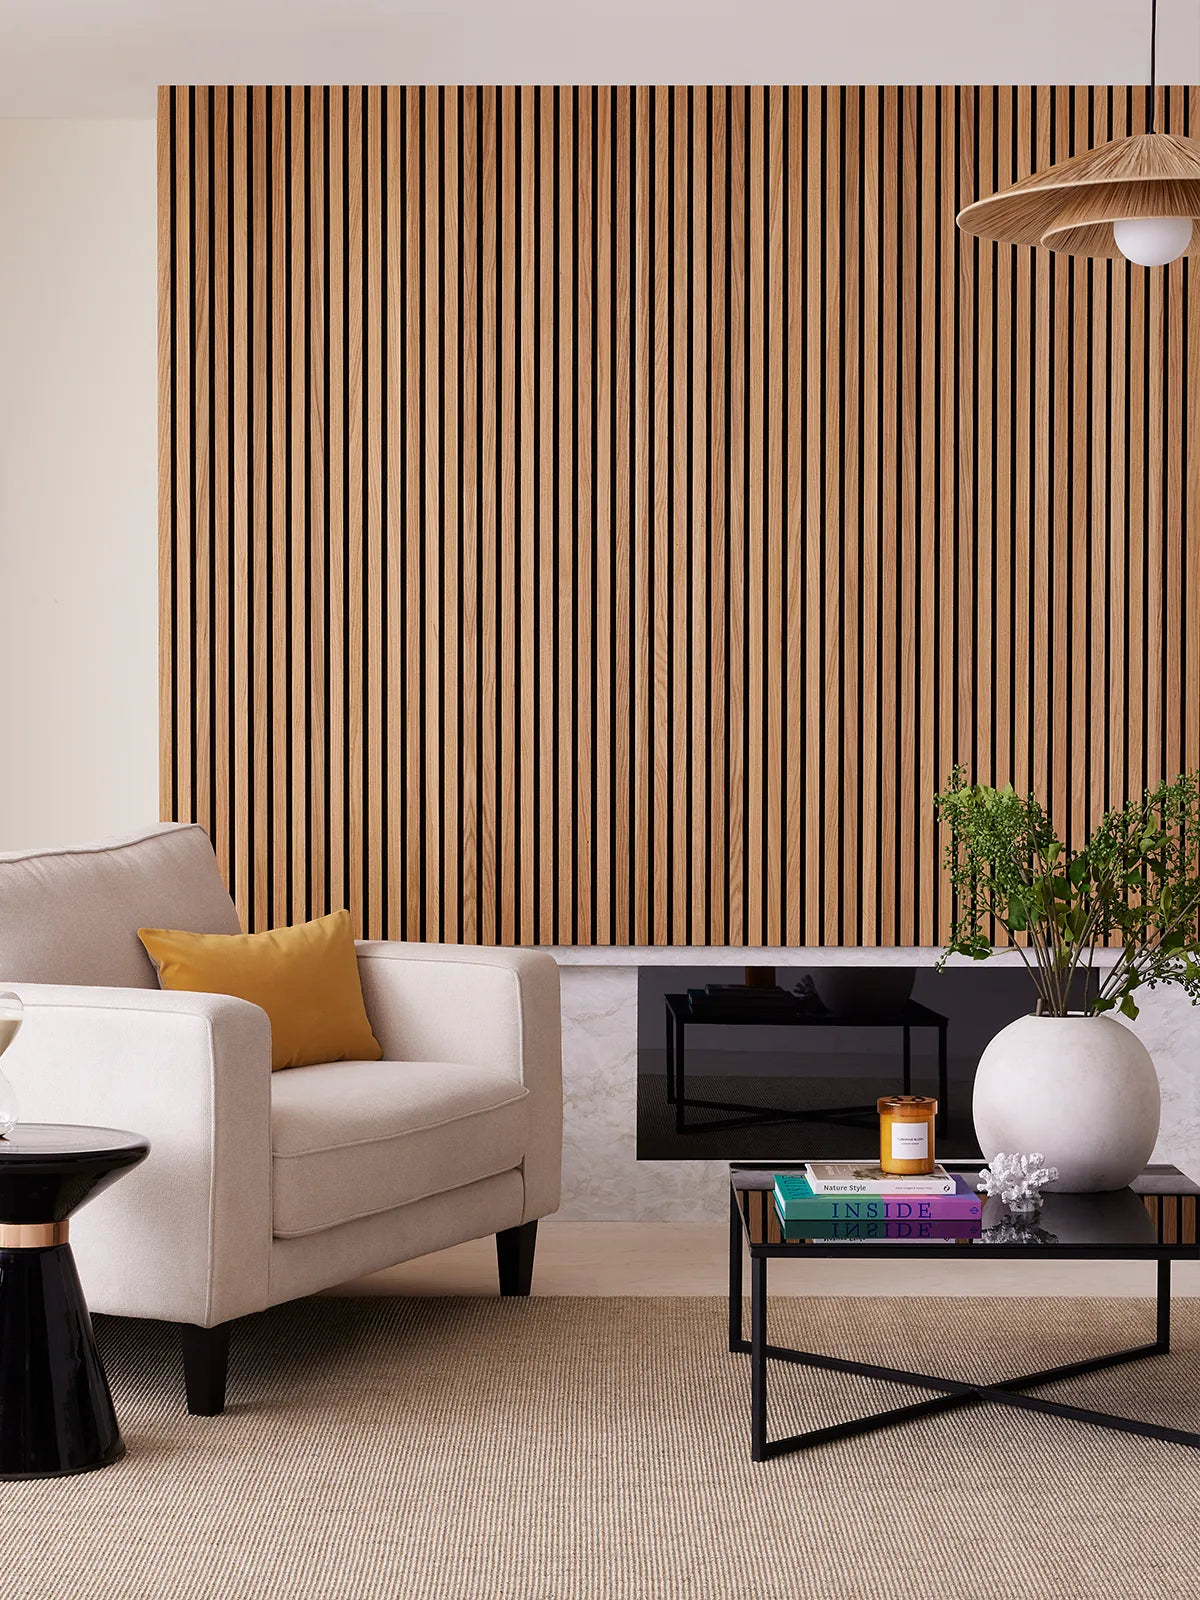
[{"x": 667, "y": 1258}]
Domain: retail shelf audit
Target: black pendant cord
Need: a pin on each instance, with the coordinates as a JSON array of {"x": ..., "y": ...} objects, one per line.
[{"x": 1153, "y": 63}]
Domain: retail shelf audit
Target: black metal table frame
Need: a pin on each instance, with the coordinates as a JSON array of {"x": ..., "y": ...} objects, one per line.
[
  {"x": 763, "y": 1116},
  {"x": 953, "y": 1394}
]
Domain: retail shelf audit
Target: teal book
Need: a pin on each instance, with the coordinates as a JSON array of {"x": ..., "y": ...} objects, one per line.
[{"x": 796, "y": 1202}]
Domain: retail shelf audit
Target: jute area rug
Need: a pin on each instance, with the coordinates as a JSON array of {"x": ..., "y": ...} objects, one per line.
[{"x": 570, "y": 1449}]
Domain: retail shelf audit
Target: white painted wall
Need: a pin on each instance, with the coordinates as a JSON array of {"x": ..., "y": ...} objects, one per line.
[
  {"x": 78, "y": 465},
  {"x": 104, "y": 57}
]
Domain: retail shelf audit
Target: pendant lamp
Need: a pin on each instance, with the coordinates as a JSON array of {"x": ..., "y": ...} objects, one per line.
[{"x": 1135, "y": 197}]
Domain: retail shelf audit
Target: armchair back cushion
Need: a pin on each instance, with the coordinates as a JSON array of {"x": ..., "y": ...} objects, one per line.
[{"x": 71, "y": 916}]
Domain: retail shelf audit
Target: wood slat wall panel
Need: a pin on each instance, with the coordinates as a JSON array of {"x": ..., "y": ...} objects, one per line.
[{"x": 605, "y": 515}]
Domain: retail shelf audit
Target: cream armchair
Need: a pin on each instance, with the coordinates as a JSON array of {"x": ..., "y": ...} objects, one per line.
[{"x": 260, "y": 1186}]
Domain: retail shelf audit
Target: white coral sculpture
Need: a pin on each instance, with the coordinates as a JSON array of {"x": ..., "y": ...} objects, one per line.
[{"x": 1016, "y": 1180}]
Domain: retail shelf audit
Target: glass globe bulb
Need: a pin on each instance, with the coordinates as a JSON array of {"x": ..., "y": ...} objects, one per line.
[{"x": 1152, "y": 241}]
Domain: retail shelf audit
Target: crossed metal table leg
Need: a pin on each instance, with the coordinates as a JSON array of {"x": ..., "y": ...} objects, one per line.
[{"x": 951, "y": 1394}]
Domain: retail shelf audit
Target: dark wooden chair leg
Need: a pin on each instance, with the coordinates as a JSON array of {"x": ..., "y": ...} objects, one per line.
[
  {"x": 514, "y": 1258},
  {"x": 205, "y": 1366}
]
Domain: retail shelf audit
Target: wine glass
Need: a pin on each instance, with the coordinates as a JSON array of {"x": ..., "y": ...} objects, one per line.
[{"x": 11, "y": 1012}]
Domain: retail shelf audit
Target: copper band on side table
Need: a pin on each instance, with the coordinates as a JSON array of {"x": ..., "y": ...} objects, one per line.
[{"x": 32, "y": 1235}]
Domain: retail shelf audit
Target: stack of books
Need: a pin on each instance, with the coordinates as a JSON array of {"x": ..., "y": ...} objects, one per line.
[
  {"x": 759, "y": 1000},
  {"x": 857, "y": 1200}
]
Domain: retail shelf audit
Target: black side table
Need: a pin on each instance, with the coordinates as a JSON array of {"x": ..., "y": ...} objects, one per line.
[{"x": 56, "y": 1412}]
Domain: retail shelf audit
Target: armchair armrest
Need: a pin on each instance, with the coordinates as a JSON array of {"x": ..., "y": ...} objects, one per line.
[
  {"x": 484, "y": 1007},
  {"x": 187, "y": 1235}
]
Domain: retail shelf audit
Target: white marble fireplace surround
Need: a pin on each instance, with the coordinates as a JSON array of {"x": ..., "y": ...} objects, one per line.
[{"x": 602, "y": 1178}]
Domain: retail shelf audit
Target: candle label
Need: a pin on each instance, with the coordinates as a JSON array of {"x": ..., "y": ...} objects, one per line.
[{"x": 910, "y": 1141}]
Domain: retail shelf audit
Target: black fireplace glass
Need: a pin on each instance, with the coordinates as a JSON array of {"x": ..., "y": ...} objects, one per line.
[{"x": 787, "y": 1063}]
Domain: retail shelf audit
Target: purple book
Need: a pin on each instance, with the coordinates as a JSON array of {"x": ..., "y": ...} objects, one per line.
[{"x": 796, "y": 1202}]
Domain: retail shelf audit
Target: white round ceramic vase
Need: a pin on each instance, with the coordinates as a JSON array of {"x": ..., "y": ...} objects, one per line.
[{"x": 1081, "y": 1090}]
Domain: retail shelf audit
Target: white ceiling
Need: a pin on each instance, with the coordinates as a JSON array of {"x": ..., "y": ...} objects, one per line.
[{"x": 104, "y": 58}]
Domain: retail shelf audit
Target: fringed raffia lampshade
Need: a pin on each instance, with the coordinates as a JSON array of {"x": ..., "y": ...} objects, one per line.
[{"x": 1073, "y": 205}]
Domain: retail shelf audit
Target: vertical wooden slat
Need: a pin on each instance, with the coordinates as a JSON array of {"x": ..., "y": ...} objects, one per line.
[
  {"x": 355, "y": 574},
  {"x": 696, "y": 806},
  {"x": 945, "y": 349},
  {"x": 241, "y": 568},
  {"x": 1097, "y": 488},
  {"x": 316, "y": 729},
  {"x": 508, "y": 908},
  {"x": 469, "y": 445},
  {"x": 716, "y": 656},
  {"x": 280, "y": 718},
  {"x": 432, "y": 490},
  {"x": 376, "y": 855},
  {"x": 661, "y": 575},
  {"x": 603, "y": 532},
  {"x": 395, "y": 920},
  {"x": 734, "y": 869},
  {"x": 449, "y": 733},
  {"x": 259, "y": 523},
  {"x": 168, "y": 547},
  {"x": 870, "y": 532},
  {"x": 983, "y": 416},
  {"x": 1115, "y": 511},
  {"x": 340, "y": 622},
  {"x": 414, "y": 492},
  {"x": 200, "y": 642},
  {"x": 687, "y": 528},
  {"x": 1173, "y": 757},
  {"x": 488, "y": 534},
  {"x": 848, "y": 466},
  {"x": 1079, "y": 278},
  {"x": 928, "y": 767},
  {"x": 562, "y": 667},
  {"x": 1060, "y": 506},
  {"x": 754, "y": 404},
  {"x": 622, "y": 531},
  {"x": 829, "y": 479},
  {"x": 1000, "y": 449},
  {"x": 576, "y": 821},
  {"x": 219, "y": 731},
  {"x": 774, "y": 468},
  {"x": 528, "y": 539},
  {"x": 181, "y": 592},
  {"x": 298, "y": 512},
  {"x": 890, "y": 702},
  {"x": 641, "y": 514}
]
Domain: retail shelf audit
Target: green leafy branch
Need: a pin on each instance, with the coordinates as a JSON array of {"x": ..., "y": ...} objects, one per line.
[{"x": 1135, "y": 883}]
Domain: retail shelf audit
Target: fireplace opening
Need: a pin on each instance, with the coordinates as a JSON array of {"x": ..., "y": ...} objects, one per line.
[{"x": 786, "y": 1064}]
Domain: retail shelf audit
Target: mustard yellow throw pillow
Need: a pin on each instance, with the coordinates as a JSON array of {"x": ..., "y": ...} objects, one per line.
[{"x": 305, "y": 979}]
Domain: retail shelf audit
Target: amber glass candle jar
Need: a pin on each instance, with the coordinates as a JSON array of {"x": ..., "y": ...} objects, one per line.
[{"x": 906, "y": 1134}]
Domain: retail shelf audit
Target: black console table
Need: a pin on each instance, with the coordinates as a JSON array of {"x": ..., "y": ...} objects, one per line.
[
  {"x": 56, "y": 1412},
  {"x": 743, "y": 1009}
]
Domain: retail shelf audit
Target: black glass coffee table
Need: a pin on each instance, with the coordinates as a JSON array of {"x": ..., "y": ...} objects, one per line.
[{"x": 1153, "y": 1220}]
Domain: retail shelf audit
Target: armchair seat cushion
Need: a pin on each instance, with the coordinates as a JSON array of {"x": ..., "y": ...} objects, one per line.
[{"x": 350, "y": 1139}]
